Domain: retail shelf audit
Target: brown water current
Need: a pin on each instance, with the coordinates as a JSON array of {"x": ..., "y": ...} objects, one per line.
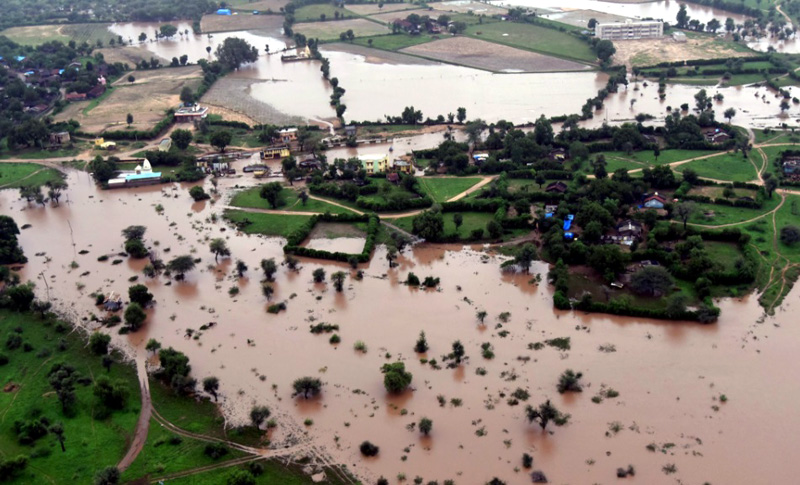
[{"x": 670, "y": 376}]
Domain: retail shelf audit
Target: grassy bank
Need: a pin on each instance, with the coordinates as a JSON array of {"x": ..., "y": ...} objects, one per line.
[
  {"x": 267, "y": 224},
  {"x": 91, "y": 443},
  {"x": 291, "y": 201},
  {"x": 15, "y": 175}
]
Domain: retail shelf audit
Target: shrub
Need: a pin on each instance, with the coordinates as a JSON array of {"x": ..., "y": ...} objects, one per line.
[
  {"x": 140, "y": 294},
  {"x": 215, "y": 451},
  {"x": 136, "y": 248},
  {"x": 98, "y": 343},
  {"x": 368, "y": 449},
  {"x": 395, "y": 377},
  {"x": 198, "y": 193},
  {"x": 568, "y": 382},
  {"x": 412, "y": 280}
]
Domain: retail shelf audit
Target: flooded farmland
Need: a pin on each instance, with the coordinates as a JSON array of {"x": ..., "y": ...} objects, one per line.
[{"x": 670, "y": 376}]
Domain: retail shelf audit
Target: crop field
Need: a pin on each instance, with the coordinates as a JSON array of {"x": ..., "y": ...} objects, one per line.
[
  {"x": 331, "y": 30},
  {"x": 479, "y": 8},
  {"x": 227, "y": 23},
  {"x": 14, "y": 175},
  {"x": 727, "y": 167},
  {"x": 442, "y": 189},
  {"x": 267, "y": 224},
  {"x": 534, "y": 38},
  {"x": 39, "y": 34},
  {"x": 146, "y": 99},
  {"x": 389, "y": 17},
  {"x": 490, "y": 56},
  {"x": 647, "y": 52},
  {"x": 312, "y": 13}
]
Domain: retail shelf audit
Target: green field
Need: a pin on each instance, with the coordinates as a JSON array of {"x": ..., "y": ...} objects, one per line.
[
  {"x": 724, "y": 214},
  {"x": 313, "y": 13},
  {"x": 727, "y": 167},
  {"x": 291, "y": 202},
  {"x": 267, "y": 224},
  {"x": 442, "y": 189},
  {"x": 15, "y": 175},
  {"x": 91, "y": 444},
  {"x": 534, "y": 38},
  {"x": 40, "y": 34},
  {"x": 649, "y": 158},
  {"x": 472, "y": 221}
]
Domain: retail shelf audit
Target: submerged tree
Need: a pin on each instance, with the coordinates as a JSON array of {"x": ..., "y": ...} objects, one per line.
[
  {"x": 422, "y": 343},
  {"x": 269, "y": 268},
  {"x": 545, "y": 413},
  {"x": 219, "y": 247},
  {"x": 425, "y": 426},
  {"x": 180, "y": 265},
  {"x": 259, "y": 414},
  {"x": 395, "y": 377},
  {"x": 211, "y": 386},
  {"x": 338, "y": 280},
  {"x": 569, "y": 382},
  {"x": 307, "y": 386}
]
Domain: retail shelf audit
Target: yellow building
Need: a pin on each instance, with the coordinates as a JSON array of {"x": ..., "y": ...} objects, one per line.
[
  {"x": 374, "y": 163},
  {"x": 402, "y": 166},
  {"x": 276, "y": 152}
]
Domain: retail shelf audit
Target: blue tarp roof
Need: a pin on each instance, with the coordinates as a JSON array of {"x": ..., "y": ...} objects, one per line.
[
  {"x": 224, "y": 11},
  {"x": 548, "y": 215},
  {"x": 567, "y": 224},
  {"x": 143, "y": 176},
  {"x": 569, "y": 235},
  {"x": 20, "y": 58}
]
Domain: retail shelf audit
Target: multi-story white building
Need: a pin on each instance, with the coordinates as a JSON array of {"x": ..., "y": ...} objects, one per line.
[{"x": 630, "y": 30}]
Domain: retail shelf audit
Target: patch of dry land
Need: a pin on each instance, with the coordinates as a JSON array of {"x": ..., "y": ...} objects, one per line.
[
  {"x": 375, "y": 56},
  {"x": 228, "y": 23},
  {"x": 146, "y": 99},
  {"x": 129, "y": 55},
  {"x": 331, "y": 30},
  {"x": 580, "y": 18},
  {"x": 372, "y": 8},
  {"x": 490, "y": 56},
  {"x": 39, "y": 34},
  {"x": 647, "y": 52},
  {"x": 232, "y": 95},
  {"x": 462, "y": 6},
  {"x": 389, "y": 17}
]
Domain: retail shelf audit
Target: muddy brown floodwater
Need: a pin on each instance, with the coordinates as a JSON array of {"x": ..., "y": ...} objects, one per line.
[{"x": 669, "y": 376}]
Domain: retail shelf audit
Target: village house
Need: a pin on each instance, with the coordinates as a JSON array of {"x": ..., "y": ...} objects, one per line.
[
  {"x": 188, "y": 114},
  {"x": 288, "y": 135},
  {"x": 165, "y": 145},
  {"x": 402, "y": 166},
  {"x": 350, "y": 130},
  {"x": 142, "y": 175},
  {"x": 393, "y": 177},
  {"x": 96, "y": 91},
  {"x": 791, "y": 168},
  {"x": 374, "y": 163},
  {"x": 75, "y": 97},
  {"x": 715, "y": 135},
  {"x": 556, "y": 187},
  {"x": 630, "y": 228},
  {"x": 558, "y": 155},
  {"x": 655, "y": 201}
]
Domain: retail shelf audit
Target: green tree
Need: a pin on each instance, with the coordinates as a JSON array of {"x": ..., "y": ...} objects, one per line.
[
  {"x": 338, "y": 280},
  {"x": 167, "y": 30},
  {"x": 140, "y": 294},
  {"x": 545, "y": 413},
  {"x": 684, "y": 211},
  {"x": 134, "y": 316},
  {"x": 271, "y": 192},
  {"x": 481, "y": 315},
  {"x": 652, "y": 280},
  {"x": 395, "y": 377},
  {"x": 55, "y": 187},
  {"x": 241, "y": 477},
  {"x": 676, "y": 305},
  {"x": 318, "y": 275},
  {"x": 181, "y": 138},
  {"x": 425, "y": 426},
  {"x": 458, "y": 354},
  {"x": 259, "y": 414},
  {"x": 109, "y": 475},
  {"x": 605, "y": 50},
  {"x": 543, "y": 131},
  {"x": 134, "y": 232},
  {"x": 461, "y": 115},
  {"x": 181, "y": 265},
  {"x": 187, "y": 95},
  {"x": 219, "y": 247},
  {"x": 129, "y": 119},
  {"x": 790, "y": 235},
  {"x": 682, "y": 18},
  {"x": 222, "y": 138},
  {"x": 429, "y": 225},
  {"x": 307, "y": 386},
  {"x": 57, "y": 429},
  {"x": 269, "y": 267},
  {"x": 525, "y": 256},
  {"x": 422, "y": 343},
  {"x": 211, "y": 386},
  {"x": 233, "y": 52},
  {"x": 20, "y": 297},
  {"x": 729, "y": 114},
  {"x": 98, "y": 343},
  {"x": 103, "y": 169},
  {"x": 112, "y": 394},
  {"x": 458, "y": 219},
  {"x": 569, "y": 381},
  {"x": 62, "y": 378},
  {"x": 152, "y": 345}
]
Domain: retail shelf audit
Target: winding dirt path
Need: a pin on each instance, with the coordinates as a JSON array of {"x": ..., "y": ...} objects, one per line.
[{"x": 143, "y": 425}]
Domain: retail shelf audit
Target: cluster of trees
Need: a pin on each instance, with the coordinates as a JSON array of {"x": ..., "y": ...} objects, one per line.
[{"x": 10, "y": 250}]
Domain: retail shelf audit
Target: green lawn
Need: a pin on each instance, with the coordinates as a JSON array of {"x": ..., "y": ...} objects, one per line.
[
  {"x": 161, "y": 456},
  {"x": 442, "y": 189},
  {"x": 15, "y": 175},
  {"x": 267, "y": 224},
  {"x": 727, "y": 166},
  {"x": 730, "y": 215},
  {"x": 726, "y": 254},
  {"x": 36, "y": 154},
  {"x": 291, "y": 202},
  {"x": 90, "y": 444},
  {"x": 776, "y": 136},
  {"x": 648, "y": 157},
  {"x": 534, "y": 38}
]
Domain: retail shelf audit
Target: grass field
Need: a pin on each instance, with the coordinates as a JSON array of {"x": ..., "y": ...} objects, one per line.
[
  {"x": 728, "y": 166},
  {"x": 730, "y": 215},
  {"x": 15, "y": 175},
  {"x": 40, "y": 34},
  {"x": 393, "y": 42},
  {"x": 649, "y": 158},
  {"x": 331, "y": 30},
  {"x": 90, "y": 444},
  {"x": 471, "y": 222},
  {"x": 534, "y": 38},
  {"x": 291, "y": 202},
  {"x": 442, "y": 189},
  {"x": 165, "y": 453},
  {"x": 313, "y": 13},
  {"x": 267, "y": 224}
]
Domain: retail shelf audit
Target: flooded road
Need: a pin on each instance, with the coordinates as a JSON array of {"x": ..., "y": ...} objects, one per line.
[{"x": 670, "y": 376}]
